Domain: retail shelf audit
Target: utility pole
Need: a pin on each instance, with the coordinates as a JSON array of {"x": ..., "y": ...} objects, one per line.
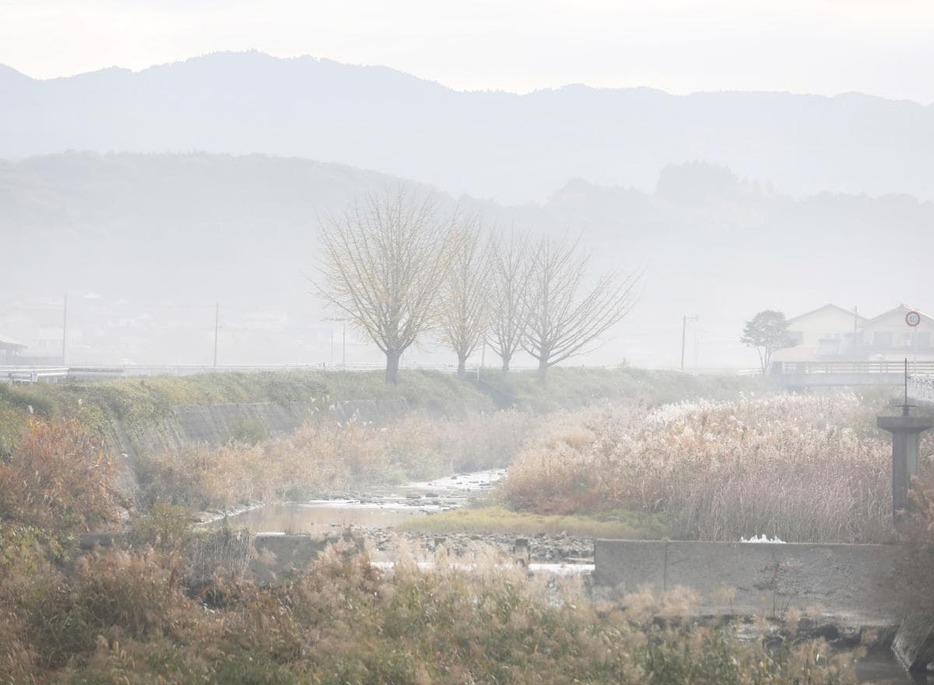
[
  {"x": 217, "y": 317},
  {"x": 684, "y": 329},
  {"x": 64, "y": 328}
]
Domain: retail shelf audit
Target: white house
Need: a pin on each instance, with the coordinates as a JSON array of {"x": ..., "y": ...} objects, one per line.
[{"x": 832, "y": 333}]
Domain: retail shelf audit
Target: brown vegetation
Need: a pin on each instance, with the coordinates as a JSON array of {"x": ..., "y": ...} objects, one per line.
[
  {"x": 122, "y": 617},
  {"x": 59, "y": 478},
  {"x": 131, "y": 616},
  {"x": 329, "y": 456},
  {"x": 799, "y": 468}
]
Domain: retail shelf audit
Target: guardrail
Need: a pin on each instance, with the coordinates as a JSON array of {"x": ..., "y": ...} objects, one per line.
[
  {"x": 37, "y": 374},
  {"x": 20, "y": 374},
  {"x": 852, "y": 367}
]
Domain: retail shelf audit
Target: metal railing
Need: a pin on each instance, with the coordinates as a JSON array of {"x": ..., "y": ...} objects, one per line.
[
  {"x": 852, "y": 367},
  {"x": 35, "y": 374}
]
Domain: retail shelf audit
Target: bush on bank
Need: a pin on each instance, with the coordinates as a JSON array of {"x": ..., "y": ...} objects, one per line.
[{"x": 122, "y": 617}]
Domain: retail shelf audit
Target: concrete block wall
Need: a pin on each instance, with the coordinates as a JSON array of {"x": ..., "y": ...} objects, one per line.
[{"x": 846, "y": 581}]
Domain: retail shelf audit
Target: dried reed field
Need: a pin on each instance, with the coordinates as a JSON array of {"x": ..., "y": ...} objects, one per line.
[{"x": 801, "y": 468}]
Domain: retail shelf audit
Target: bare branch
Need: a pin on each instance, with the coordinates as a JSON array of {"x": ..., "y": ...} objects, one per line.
[
  {"x": 562, "y": 318},
  {"x": 464, "y": 313},
  {"x": 382, "y": 267},
  {"x": 508, "y": 302}
]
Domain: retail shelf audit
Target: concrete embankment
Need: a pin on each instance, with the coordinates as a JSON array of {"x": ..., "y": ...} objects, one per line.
[
  {"x": 850, "y": 583},
  {"x": 216, "y": 424}
]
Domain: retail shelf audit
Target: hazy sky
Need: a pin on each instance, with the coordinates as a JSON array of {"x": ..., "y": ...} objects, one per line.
[{"x": 881, "y": 47}]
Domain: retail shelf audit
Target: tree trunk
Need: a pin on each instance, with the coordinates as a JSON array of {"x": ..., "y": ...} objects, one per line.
[
  {"x": 506, "y": 360},
  {"x": 461, "y": 366},
  {"x": 392, "y": 366},
  {"x": 542, "y": 369}
]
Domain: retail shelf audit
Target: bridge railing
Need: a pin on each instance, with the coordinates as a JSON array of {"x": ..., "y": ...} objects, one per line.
[{"x": 852, "y": 367}]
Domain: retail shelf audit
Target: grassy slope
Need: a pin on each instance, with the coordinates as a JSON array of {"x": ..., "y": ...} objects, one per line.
[{"x": 135, "y": 402}]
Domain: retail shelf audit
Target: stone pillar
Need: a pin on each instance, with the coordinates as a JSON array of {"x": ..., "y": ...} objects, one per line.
[{"x": 906, "y": 436}]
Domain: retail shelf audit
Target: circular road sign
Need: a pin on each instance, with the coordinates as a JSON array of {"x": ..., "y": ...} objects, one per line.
[{"x": 912, "y": 318}]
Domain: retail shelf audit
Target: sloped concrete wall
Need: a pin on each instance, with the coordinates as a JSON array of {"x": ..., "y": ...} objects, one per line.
[
  {"x": 846, "y": 581},
  {"x": 216, "y": 424}
]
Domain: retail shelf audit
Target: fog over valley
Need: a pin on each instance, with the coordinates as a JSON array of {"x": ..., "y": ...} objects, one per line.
[
  {"x": 147, "y": 245},
  {"x": 170, "y": 215}
]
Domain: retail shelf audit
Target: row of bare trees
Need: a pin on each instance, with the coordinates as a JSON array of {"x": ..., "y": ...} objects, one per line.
[{"x": 395, "y": 270}]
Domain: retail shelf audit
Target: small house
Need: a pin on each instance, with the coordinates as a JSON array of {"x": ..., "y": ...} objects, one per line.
[
  {"x": 890, "y": 336},
  {"x": 829, "y": 332}
]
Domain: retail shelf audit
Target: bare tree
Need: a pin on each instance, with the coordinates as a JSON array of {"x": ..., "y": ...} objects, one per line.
[
  {"x": 507, "y": 303},
  {"x": 564, "y": 318},
  {"x": 463, "y": 310},
  {"x": 383, "y": 264}
]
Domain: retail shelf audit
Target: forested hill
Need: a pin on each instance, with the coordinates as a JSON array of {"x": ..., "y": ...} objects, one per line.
[
  {"x": 202, "y": 227},
  {"x": 486, "y": 144}
]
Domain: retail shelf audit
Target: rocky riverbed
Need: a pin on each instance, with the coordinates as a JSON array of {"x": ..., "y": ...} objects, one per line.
[{"x": 375, "y": 514}]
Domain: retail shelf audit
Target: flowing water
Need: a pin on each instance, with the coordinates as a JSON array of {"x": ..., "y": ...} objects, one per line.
[{"x": 383, "y": 508}]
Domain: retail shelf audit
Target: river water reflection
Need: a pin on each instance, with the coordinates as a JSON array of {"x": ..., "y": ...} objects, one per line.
[
  {"x": 382, "y": 508},
  {"x": 319, "y": 517}
]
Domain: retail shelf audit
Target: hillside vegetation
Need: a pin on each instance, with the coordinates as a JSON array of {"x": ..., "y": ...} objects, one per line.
[{"x": 514, "y": 147}]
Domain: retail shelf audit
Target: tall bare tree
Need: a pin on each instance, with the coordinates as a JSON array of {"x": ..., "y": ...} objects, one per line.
[
  {"x": 564, "y": 317},
  {"x": 383, "y": 263},
  {"x": 507, "y": 303},
  {"x": 463, "y": 310}
]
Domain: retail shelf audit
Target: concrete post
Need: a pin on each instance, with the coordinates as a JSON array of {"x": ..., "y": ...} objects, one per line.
[{"x": 906, "y": 436}]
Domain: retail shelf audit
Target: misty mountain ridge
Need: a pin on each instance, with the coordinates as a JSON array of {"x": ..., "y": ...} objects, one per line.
[
  {"x": 200, "y": 228},
  {"x": 484, "y": 144}
]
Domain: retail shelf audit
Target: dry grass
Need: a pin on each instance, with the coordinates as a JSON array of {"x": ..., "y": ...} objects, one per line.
[
  {"x": 121, "y": 618},
  {"x": 59, "y": 478},
  {"x": 800, "y": 468},
  {"x": 331, "y": 456},
  {"x": 499, "y": 521}
]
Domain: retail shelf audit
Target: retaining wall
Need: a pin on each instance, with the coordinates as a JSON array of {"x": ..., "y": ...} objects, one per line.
[
  {"x": 849, "y": 582},
  {"x": 216, "y": 424}
]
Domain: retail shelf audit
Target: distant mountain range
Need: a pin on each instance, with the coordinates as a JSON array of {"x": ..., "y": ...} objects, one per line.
[
  {"x": 130, "y": 231},
  {"x": 513, "y": 148}
]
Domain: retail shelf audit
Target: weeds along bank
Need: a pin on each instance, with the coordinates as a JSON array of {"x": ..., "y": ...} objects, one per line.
[
  {"x": 224, "y": 440},
  {"x": 802, "y": 468},
  {"x": 124, "y": 617}
]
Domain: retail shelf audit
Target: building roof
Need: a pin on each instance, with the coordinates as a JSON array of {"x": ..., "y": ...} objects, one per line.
[
  {"x": 832, "y": 307},
  {"x": 10, "y": 344},
  {"x": 901, "y": 310}
]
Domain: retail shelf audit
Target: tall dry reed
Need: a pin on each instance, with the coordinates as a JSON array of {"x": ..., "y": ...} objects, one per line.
[
  {"x": 802, "y": 468},
  {"x": 327, "y": 456}
]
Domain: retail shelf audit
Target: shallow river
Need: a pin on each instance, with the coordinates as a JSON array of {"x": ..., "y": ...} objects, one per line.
[
  {"x": 384, "y": 508},
  {"x": 390, "y": 507}
]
